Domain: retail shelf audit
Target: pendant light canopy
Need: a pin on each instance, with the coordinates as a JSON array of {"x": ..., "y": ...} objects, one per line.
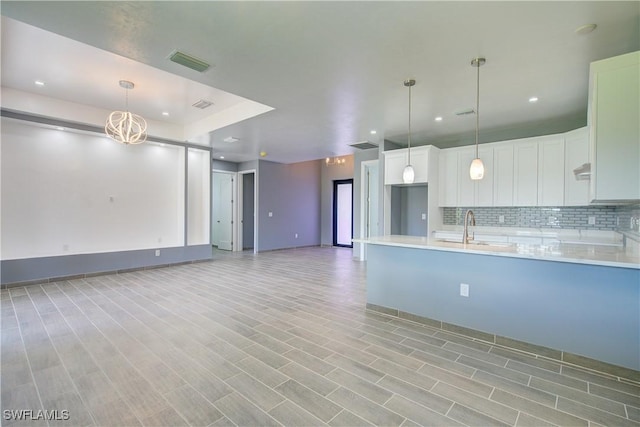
[
  {"x": 408, "y": 174},
  {"x": 124, "y": 126},
  {"x": 476, "y": 170}
]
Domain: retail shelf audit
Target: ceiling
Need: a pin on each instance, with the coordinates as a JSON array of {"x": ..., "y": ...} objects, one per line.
[{"x": 305, "y": 80}]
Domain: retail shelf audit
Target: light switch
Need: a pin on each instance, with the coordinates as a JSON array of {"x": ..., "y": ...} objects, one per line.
[
  {"x": 270, "y": 214},
  {"x": 592, "y": 220},
  {"x": 501, "y": 219},
  {"x": 424, "y": 216}
]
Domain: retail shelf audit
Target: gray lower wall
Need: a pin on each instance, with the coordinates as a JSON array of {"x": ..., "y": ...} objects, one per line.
[
  {"x": 292, "y": 193},
  {"x": 606, "y": 217},
  {"x": 45, "y": 268}
]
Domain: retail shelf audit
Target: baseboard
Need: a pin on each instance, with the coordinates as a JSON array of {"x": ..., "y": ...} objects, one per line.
[{"x": 514, "y": 345}]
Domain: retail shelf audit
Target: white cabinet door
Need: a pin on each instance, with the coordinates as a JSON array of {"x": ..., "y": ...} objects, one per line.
[
  {"x": 551, "y": 171},
  {"x": 394, "y": 163},
  {"x": 484, "y": 186},
  {"x": 614, "y": 118},
  {"x": 466, "y": 186},
  {"x": 525, "y": 171},
  {"x": 448, "y": 176},
  {"x": 420, "y": 163},
  {"x": 576, "y": 153},
  {"x": 503, "y": 174}
]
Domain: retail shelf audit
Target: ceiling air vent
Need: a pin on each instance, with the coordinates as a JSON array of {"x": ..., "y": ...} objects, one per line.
[
  {"x": 189, "y": 61},
  {"x": 364, "y": 145},
  {"x": 202, "y": 104},
  {"x": 465, "y": 112}
]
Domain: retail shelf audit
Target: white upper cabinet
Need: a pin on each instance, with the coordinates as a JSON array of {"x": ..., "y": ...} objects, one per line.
[
  {"x": 551, "y": 170},
  {"x": 576, "y": 154},
  {"x": 525, "y": 172},
  {"x": 466, "y": 187},
  {"x": 614, "y": 120},
  {"x": 503, "y": 174},
  {"x": 396, "y": 160},
  {"x": 448, "y": 173},
  {"x": 484, "y": 186}
]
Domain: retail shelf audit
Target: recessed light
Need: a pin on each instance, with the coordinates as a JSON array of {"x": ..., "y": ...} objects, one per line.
[
  {"x": 533, "y": 99},
  {"x": 585, "y": 29},
  {"x": 59, "y": 128},
  {"x": 222, "y": 157},
  {"x": 373, "y": 132},
  {"x": 39, "y": 83},
  {"x": 438, "y": 119},
  {"x": 165, "y": 113}
]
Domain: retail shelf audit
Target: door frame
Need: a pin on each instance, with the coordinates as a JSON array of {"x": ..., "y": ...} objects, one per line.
[
  {"x": 234, "y": 198},
  {"x": 335, "y": 211},
  {"x": 363, "y": 202},
  {"x": 240, "y": 209}
]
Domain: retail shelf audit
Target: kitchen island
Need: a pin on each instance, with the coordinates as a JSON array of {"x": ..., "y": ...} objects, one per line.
[{"x": 576, "y": 303}]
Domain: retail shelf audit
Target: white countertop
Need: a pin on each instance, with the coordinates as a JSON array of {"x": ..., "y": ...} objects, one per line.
[{"x": 582, "y": 253}]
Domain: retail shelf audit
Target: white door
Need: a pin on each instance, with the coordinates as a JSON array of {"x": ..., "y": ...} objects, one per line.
[{"x": 222, "y": 231}]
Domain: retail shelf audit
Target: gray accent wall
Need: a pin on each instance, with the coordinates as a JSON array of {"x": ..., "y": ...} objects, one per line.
[
  {"x": 221, "y": 165},
  {"x": 408, "y": 203},
  {"x": 291, "y": 192},
  {"x": 54, "y": 267}
]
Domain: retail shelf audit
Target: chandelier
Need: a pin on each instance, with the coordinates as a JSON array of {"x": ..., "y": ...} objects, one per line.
[
  {"x": 336, "y": 161},
  {"x": 124, "y": 126}
]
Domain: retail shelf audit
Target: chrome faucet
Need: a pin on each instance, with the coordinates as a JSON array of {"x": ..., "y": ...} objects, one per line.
[{"x": 465, "y": 233}]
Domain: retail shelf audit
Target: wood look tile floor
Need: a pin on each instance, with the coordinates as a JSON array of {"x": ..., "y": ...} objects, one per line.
[{"x": 279, "y": 338}]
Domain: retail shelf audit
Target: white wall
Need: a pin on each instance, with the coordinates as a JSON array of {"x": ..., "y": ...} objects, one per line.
[
  {"x": 199, "y": 189},
  {"x": 68, "y": 193}
]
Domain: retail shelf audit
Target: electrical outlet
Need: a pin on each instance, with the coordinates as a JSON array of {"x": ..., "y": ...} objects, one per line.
[
  {"x": 464, "y": 289},
  {"x": 296, "y": 235},
  {"x": 157, "y": 252},
  {"x": 592, "y": 220},
  {"x": 270, "y": 214},
  {"x": 424, "y": 216},
  {"x": 501, "y": 219}
]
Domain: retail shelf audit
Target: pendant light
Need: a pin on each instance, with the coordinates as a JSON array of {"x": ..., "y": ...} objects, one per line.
[
  {"x": 124, "y": 126},
  {"x": 408, "y": 174},
  {"x": 476, "y": 170}
]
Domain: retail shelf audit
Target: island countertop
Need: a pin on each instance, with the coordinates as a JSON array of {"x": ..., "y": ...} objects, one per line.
[{"x": 610, "y": 256}]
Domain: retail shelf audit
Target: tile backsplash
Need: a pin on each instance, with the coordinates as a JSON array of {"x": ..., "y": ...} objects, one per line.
[{"x": 625, "y": 218}]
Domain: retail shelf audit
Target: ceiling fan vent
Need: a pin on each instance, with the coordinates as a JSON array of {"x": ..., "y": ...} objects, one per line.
[
  {"x": 189, "y": 61},
  {"x": 202, "y": 104},
  {"x": 364, "y": 145}
]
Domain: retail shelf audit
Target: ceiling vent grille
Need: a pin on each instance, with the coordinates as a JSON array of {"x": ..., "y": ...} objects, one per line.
[
  {"x": 465, "y": 112},
  {"x": 202, "y": 104},
  {"x": 189, "y": 61},
  {"x": 364, "y": 145}
]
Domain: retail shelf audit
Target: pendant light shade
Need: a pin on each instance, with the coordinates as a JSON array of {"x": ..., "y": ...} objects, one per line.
[
  {"x": 408, "y": 174},
  {"x": 476, "y": 170}
]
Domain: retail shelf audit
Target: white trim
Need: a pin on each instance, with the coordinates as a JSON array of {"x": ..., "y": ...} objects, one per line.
[
  {"x": 234, "y": 214},
  {"x": 363, "y": 193}
]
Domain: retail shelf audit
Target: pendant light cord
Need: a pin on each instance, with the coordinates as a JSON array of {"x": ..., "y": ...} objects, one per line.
[
  {"x": 477, "y": 108},
  {"x": 409, "y": 149}
]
